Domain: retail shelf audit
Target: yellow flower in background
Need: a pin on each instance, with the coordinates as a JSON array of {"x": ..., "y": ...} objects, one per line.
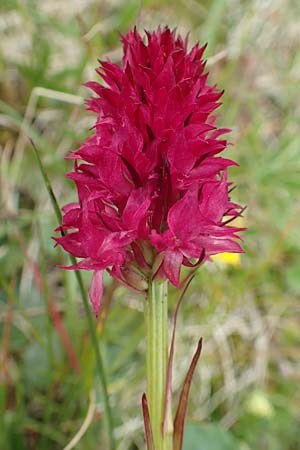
[
  {"x": 233, "y": 259},
  {"x": 228, "y": 258}
]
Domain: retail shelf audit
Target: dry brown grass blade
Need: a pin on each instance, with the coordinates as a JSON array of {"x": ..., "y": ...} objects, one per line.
[
  {"x": 168, "y": 391},
  {"x": 179, "y": 420},
  {"x": 147, "y": 424}
]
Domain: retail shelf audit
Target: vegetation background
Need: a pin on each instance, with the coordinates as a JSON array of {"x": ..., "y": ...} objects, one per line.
[{"x": 245, "y": 394}]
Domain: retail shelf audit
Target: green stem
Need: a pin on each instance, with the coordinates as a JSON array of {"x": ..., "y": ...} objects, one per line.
[{"x": 156, "y": 316}]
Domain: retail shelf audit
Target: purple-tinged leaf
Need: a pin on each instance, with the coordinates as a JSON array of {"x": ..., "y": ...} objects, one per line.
[
  {"x": 179, "y": 420},
  {"x": 147, "y": 424},
  {"x": 168, "y": 390}
]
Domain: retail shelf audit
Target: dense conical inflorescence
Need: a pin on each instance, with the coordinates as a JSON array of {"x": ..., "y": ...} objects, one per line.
[{"x": 152, "y": 188}]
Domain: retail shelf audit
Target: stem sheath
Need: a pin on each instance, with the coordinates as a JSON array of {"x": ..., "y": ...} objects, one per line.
[{"x": 156, "y": 317}]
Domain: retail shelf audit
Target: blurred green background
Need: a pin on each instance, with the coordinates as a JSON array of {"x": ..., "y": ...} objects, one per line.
[{"x": 246, "y": 390}]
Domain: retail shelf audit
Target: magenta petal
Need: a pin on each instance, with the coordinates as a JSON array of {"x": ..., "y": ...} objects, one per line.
[
  {"x": 171, "y": 265},
  {"x": 136, "y": 208},
  {"x": 72, "y": 243},
  {"x": 214, "y": 200},
  {"x": 96, "y": 291},
  {"x": 210, "y": 167},
  {"x": 188, "y": 209}
]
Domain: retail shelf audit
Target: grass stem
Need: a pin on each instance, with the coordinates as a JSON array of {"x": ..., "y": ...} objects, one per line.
[{"x": 89, "y": 315}]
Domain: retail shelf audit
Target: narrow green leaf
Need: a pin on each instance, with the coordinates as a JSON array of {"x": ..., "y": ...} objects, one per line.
[
  {"x": 47, "y": 183},
  {"x": 18, "y": 120},
  {"x": 89, "y": 315}
]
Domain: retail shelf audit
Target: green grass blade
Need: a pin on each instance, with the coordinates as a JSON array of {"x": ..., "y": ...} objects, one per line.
[{"x": 89, "y": 315}]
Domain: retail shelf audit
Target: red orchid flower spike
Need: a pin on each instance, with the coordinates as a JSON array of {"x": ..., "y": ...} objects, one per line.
[{"x": 152, "y": 186}]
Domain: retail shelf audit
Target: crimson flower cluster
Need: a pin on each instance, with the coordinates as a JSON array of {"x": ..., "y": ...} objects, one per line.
[{"x": 152, "y": 190}]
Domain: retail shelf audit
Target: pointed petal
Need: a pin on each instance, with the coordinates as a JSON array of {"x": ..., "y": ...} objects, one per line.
[
  {"x": 214, "y": 199},
  {"x": 210, "y": 167},
  {"x": 72, "y": 243},
  {"x": 96, "y": 291},
  {"x": 136, "y": 208},
  {"x": 188, "y": 208}
]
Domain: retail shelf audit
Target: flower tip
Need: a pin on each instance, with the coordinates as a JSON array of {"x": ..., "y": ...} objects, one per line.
[{"x": 56, "y": 239}]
